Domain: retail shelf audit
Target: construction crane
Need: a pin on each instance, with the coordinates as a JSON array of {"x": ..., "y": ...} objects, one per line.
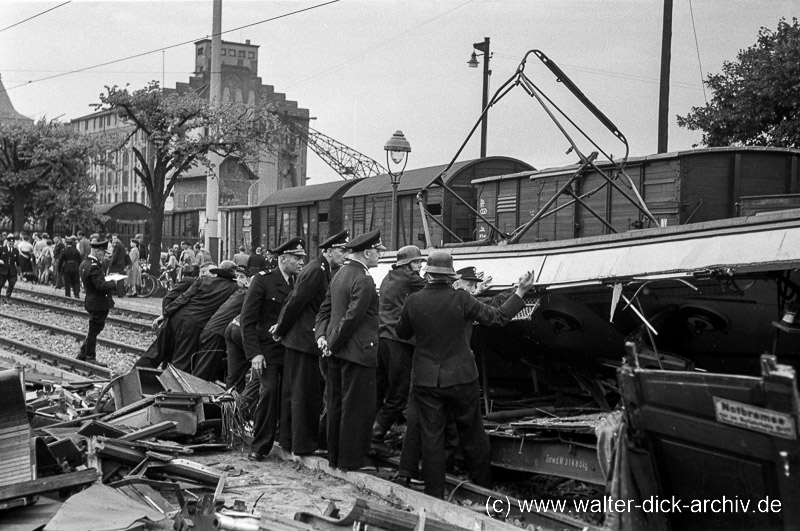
[{"x": 344, "y": 160}]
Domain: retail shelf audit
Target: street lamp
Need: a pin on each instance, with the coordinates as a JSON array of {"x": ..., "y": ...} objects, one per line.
[
  {"x": 473, "y": 63},
  {"x": 397, "y": 148}
]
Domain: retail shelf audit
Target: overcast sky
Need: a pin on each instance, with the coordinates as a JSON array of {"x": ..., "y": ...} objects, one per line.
[{"x": 365, "y": 68}]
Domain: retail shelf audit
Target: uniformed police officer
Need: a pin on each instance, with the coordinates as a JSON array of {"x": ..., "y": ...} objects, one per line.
[
  {"x": 260, "y": 310},
  {"x": 9, "y": 263},
  {"x": 444, "y": 376},
  {"x": 68, "y": 265},
  {"x": 347, "y": 332},
  {"x": 98, "y": 299},
  {"x": 301, "y": 393}
]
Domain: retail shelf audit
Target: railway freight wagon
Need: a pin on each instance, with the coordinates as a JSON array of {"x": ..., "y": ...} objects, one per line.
[
  {"x": 678, "y": 188},
  {"x": 368, "y": 205},
  {"x": 312, "y": 212}
]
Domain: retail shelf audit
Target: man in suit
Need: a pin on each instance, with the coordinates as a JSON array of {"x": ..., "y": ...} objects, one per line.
[
  {"x": 68, "y": 265},
  {"x": 9, "y": 263},
  {"x": 444, "y": 376},
  {"x": 301, "y": 394},
  {"x": 394, "y": 354},
  {"x": 98, "y": 299},
  {"x": 347, "y": 333},
  {"x": 260, "y": 310}
]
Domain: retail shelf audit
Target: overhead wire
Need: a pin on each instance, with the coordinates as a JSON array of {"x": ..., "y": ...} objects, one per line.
[
  {"x": 34, "y": 16},
  {"x": 697, "y": 48},
  {"x": 134, "y": 56}
]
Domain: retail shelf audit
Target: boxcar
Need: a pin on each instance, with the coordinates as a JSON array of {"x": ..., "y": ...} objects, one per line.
[
  {"x": 367, "y": 205},
  {"x": 682, "y": 187},
  {"x": 313, "y": 212}
]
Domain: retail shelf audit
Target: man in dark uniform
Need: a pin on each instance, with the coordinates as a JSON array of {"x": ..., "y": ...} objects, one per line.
[
  {"x": 347, "y": 333},
  {"x": 260, "y": 311},
  {"x": 394, "y": 354},
  {"x": 69, "y": 264},
  {"x": 444, "y": 376},
  {"x": 58, "y": 249},
  {"x": 98, "y": 299},
  {"x": 301, "y": 394},
  {"x": 9, "y": 263},
  {"x": 117, "y": 262},
  {"x": 187, "y": 315}
]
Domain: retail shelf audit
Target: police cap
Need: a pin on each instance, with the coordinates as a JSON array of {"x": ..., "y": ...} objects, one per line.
[
  {"x": 468, "y": 273},
  {"x": 100, "y": 245},
  {"x": 337, "y": 240},
  {"x": 293, "y": 246},
  {"x": 11, "y": 236},
  {"x": 370, "y": 240}
]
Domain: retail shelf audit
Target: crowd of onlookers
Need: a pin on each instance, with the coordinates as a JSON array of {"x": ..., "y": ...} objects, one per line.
[{"x": 55, "y": 260}]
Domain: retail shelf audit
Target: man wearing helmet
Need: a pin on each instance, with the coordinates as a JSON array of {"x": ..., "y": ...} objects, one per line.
[
  {"x": 444, "y": 376},
  {"x": 394, "y": 354}
]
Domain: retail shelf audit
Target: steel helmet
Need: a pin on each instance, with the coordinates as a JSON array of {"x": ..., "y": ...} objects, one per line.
[
  {"x": 440, "y": 262},
  {"x": 408, "y": 254}
]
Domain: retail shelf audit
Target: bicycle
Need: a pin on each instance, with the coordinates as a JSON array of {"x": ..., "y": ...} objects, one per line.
[{"x": 152, "y": 284}]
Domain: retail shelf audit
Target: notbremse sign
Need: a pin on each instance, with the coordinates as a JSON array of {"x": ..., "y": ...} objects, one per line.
[{"x": 755, "y": 418}]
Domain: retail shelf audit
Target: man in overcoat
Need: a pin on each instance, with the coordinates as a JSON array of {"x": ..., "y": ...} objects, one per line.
[
  {"x": 9, "y": 263},
  {"x": 444, "y": 376},
  {"x": 69, "y": 264},
  {"x": 262, "y": 305},
  {"x": 347, "y": 333},
  {"x": 301, "y": 393},
  {"x": 394, "y": 354},
  {"x": 99, "y": 298}
]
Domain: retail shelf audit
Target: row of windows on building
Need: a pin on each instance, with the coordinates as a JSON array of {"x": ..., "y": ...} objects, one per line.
[{"x": 230, "y": 52}]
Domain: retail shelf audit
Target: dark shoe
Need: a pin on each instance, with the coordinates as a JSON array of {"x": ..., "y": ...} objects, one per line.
[
  {"x": 255, "y": 456},
  {"x": 403, "y": 481},
  {"x": 378, "y": 432}
]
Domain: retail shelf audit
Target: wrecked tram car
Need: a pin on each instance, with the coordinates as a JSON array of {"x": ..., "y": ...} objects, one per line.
[{"x": 659, "y": 363}]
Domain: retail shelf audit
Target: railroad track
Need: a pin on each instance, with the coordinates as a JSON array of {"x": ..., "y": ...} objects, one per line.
[
  {"x": 69, "y": 302},
  {"x": 69, "y": 363},
  {"x": 75, "y": 333},
  {"x": 80, "y": 312}
]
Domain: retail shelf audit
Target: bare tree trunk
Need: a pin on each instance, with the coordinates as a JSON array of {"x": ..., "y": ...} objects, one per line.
[
  {"x": 18, "y": 212},
  {"x": 157, "y": 213}
]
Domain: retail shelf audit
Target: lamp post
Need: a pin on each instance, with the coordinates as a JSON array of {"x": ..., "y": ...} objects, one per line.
[
  {"x": 397, "y": 149},
  {"x": 473, "y": 63}
]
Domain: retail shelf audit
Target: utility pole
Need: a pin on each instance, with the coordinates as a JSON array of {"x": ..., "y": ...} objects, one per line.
[
  {"x": 663, "y": 94},
  {"x": 212, "y": 177}
]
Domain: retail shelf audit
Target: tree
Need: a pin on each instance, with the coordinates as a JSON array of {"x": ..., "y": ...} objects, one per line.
[
  {"x": 182, "y": 130},
  {"x": 757, "y": 98},
  {"x": 43, "y": 171}
]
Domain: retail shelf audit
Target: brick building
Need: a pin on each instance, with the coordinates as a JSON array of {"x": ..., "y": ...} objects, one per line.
[{"x": 240, "y": 184}]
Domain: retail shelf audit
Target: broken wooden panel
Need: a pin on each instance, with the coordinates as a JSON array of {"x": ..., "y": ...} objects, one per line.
[
  {"x": 17, "y": 462},
  {"x": 717, "y": 436}
]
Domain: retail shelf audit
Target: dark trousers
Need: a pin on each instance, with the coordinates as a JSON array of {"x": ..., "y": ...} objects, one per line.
[
  {"x": 97, "y": 321},
  {"x": 158, "y": 349},
  {"x": 11, "y": 281},
  {"x": 463, "y": 401},
  {"x": 265, "y": 418},
  {"x": 207, "y": 361},
  {"x": 238, "y": 364},
  {"x": 393, "y": 380},
  {"x": 238, "y": 367},
  {"x": 411, "y": 455},
  {"x": 185, "y": 343},
  {"x": 350, "y": 394},
  {"x": 72, "y": 282},
  {"x": 301, "y": 396}
]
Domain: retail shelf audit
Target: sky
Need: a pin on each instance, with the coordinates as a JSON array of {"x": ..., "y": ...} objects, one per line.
[{"x": 366, "y": 68}]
